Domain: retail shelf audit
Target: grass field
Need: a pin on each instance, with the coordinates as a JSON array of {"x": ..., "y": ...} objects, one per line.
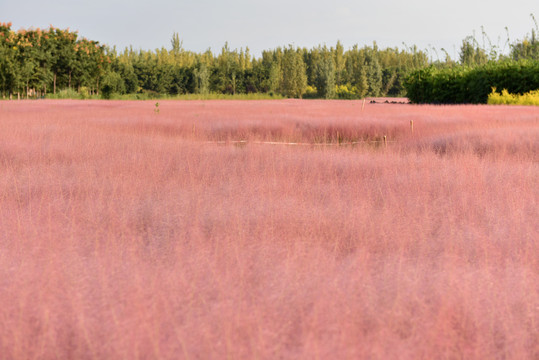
[{"x": 131, "y": 234}]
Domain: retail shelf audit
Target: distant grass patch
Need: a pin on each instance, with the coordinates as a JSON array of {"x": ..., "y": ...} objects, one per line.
[
  {"x": 71, "y": 94},
  {"x": 505, "y": 98}
]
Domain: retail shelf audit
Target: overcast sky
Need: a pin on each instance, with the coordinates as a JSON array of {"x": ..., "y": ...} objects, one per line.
[{"x": 203, "y": 24}]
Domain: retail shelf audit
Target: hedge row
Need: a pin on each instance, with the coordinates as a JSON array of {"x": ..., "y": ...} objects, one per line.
[{"x": 461, "y": 84}]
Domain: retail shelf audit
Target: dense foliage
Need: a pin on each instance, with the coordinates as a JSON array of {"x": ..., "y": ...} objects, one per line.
[
  {"x": 465, "y": 84},
  {"x": 36, "y": 62}
]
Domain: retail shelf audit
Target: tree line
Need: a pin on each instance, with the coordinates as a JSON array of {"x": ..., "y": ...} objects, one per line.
[{"x": 36, "y": 62}]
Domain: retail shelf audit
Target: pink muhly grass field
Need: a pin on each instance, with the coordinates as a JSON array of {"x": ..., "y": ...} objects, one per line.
[{"x": 131, "y": 234}]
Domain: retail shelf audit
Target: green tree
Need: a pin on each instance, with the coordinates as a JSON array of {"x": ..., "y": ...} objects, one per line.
[
  {"x": 294, "y": 80},
  {"x": 112, "y": 83},
  {"x": 62, "y": 48},
  {"x": 177, "y": 44},
  {"x": 325, "y": 74},
  {"x": 202, "y": 78},
  {"x": 9, "y": 74},
  {"x": 528, "y": 48},
  {"x": 374, "y": 77},
  {"x": 227, "y": 70},
  {"x": 340, "y": 64},
  {"x": 471, "y": 54},
  {"x": 362, "y": 84},
  {"x": 275, "y": 77}
]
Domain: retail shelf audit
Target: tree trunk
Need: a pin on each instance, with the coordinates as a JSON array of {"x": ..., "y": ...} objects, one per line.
[{"x": 54, "y": 84}]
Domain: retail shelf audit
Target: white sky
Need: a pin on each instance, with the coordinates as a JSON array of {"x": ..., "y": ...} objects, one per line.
[{"x": 260, "y": 25}]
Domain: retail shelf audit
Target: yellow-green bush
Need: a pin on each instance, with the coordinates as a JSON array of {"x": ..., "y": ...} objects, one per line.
[
  {"x": 505, "y": 98},
  {"x": 311, "y": 92},
  {"x": 347, "y": 92}
]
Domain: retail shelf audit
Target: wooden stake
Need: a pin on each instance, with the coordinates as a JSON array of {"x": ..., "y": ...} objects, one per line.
[
  {"x": 412, "y": 126},
  {"x": 363, "y": 106},
  {"x": 385, "y": 141}
]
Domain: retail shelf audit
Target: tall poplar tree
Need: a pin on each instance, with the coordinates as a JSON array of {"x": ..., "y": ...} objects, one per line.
[
  {"x": 294, "y": 80},
  {"x": 325, "y": 74}
]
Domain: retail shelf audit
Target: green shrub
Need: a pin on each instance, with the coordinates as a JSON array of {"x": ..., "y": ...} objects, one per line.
[
  {"x": 84, "y": 93},
  {"x": 311, "y": 92},
  {"x": 64, "y": 94},
  {"x": 462, "y": 84},
  {"x": 347, "y": 92}
]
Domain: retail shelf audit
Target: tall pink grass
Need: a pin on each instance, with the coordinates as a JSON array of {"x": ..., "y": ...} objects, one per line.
[{"x": 126, "y": 234}]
